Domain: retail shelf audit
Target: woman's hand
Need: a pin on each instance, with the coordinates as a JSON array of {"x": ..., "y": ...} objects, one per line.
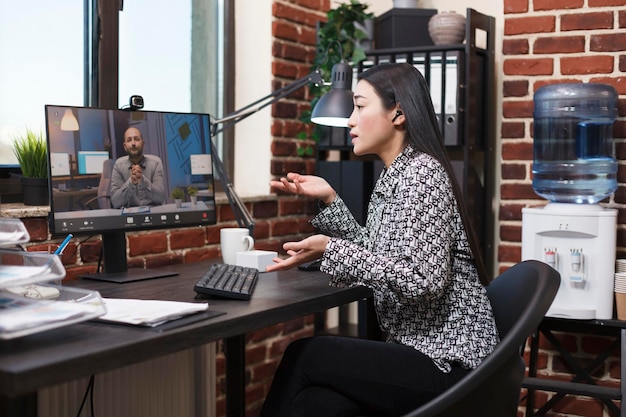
[
  {"x": 306, "y": 185},
  {"x": 306, "y": 250}
]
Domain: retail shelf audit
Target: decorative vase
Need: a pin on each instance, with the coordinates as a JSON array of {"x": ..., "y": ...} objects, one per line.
[
  {"x": 193, "y": 199},
  {"x": 35, "y": 191},
  {"x": 179, "y": 202},
  {"x": 447, "y": 27}
]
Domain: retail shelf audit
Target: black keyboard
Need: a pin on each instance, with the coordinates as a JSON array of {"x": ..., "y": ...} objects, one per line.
[{"x": 230, "y": 281}]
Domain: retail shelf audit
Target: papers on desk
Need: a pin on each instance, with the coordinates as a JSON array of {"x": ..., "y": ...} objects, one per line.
[{"x": 149, "y": 313}]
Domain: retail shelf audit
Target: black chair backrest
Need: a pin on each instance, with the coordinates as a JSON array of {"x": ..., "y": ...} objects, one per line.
[{"x": 520, "y": 297}]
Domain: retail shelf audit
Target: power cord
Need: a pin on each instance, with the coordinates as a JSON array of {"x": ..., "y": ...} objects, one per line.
[{"x": 88, "y": 391}]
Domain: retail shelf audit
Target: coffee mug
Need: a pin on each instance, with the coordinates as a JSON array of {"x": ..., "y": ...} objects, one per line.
[{"x": 233, "y": 240}]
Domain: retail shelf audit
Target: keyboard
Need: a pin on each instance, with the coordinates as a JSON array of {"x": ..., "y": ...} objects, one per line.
[{"x": 229, "y": 281}]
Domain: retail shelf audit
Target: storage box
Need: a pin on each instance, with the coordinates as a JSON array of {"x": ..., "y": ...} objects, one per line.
[
  {"x": 258, "y": 259},
  {"x": 399, "y": 28}
]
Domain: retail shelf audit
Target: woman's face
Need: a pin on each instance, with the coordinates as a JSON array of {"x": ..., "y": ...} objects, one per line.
[{"x": 371, "y": 126}]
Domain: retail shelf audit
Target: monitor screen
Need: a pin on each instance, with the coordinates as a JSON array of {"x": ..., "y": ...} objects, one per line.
[{"x": 118, "y": 172}]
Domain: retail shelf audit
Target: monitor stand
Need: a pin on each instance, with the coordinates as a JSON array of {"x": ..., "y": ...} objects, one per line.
[
  {"x": 130, "y": 275},
  {"x": 115, "y": 265}
]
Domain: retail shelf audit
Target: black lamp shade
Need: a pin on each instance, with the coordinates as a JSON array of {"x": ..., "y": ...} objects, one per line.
[{"x": 335, "y": 107}]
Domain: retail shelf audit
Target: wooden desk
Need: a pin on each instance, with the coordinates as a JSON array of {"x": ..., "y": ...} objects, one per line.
[
  {"x": 581, "y": 383},
  {"x": 60, "y": 355}
]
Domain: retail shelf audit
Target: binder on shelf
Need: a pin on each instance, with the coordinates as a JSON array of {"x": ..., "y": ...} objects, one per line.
[{"x": 442, "y": 70}]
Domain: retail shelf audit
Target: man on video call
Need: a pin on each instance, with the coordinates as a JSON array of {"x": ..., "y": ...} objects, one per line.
[{"x": 137, "y": 179}]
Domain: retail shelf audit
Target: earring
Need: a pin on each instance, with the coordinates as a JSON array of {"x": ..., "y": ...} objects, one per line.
[{"x": 398, "y": 114}]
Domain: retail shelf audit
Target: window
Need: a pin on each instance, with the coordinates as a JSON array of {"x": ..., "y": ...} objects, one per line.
[
  {"x": 155, "y": 53},
  {"x": 42, "y": 48},
  {"x": 170, "y": 53}
]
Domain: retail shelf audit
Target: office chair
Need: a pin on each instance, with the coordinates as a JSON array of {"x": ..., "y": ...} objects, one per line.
[
  {"x": 520, "y": 297},
  {"x": 103, "y": 196}
]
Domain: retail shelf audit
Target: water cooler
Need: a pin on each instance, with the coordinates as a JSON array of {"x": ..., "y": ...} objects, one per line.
[{"x": 574, "y": 168}]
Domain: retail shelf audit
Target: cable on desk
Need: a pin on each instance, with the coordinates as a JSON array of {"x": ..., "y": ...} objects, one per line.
[{"x": 88, "y": 391}]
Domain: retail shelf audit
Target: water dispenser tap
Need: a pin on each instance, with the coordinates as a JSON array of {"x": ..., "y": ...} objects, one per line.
[
  {"x": 576, "y": 260},
  {"x": 551, "y": 257},
  {"x": 577, "y": 276}
]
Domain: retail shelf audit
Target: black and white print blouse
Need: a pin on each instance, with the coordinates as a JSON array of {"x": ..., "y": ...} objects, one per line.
[{"x": 414, "y": 254}]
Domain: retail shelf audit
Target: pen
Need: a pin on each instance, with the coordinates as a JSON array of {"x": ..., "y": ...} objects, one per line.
[{"x": 63, "y": 245}]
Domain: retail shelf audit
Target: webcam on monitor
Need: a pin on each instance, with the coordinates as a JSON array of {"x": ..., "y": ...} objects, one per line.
[{"x": 136, "y": 102}]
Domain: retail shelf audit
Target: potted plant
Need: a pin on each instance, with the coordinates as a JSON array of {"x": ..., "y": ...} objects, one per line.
[
  {"x": 31, "y": 153},
  {"x": 344, "y": 24},
  {"x": 177, "y": 195},
  {"x": 342, "y": 35},
  {"x": 193, "y": 194}
]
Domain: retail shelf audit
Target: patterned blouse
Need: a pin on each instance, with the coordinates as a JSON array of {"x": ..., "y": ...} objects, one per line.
[{"x": 414, "y": 254}]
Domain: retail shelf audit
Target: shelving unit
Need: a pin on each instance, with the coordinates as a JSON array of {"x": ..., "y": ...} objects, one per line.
[{"x": 461, "y": 78}]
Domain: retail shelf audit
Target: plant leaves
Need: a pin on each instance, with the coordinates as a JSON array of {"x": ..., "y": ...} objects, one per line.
[{"x": 31, "y": 153}]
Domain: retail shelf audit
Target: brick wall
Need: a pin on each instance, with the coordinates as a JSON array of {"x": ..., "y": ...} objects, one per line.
[
  {"x": 293, "y": 50},
  {"x": 544, "y": 42},
  {"x": 278, "y": 219}
]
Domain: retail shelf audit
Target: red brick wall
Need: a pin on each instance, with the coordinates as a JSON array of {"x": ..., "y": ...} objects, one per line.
[
  {"x": 555, "y": 41},
  {"x": 293, "y": 51},
  {"x": 278, "y": 219}
]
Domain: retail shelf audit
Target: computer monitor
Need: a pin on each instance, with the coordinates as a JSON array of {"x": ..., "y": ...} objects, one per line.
[{"x": 91, "y": 191}]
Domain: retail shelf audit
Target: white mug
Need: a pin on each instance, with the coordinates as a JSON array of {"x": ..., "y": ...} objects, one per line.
[{"x": 233, "y": 240}]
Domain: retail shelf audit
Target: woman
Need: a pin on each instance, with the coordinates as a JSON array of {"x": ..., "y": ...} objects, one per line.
[{"x": 418, "y": 254}]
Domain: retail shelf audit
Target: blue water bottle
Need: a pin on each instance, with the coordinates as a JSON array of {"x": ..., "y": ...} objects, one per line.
[{"x": 573, "y": 151}]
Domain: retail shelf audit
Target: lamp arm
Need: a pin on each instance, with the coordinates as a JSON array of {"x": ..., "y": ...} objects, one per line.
[
  {"x": 242, "y": 215},
  {"x": 235, "y": 117}
]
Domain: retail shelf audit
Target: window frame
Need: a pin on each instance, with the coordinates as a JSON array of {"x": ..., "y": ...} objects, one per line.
[{"x": 102, "y": 72}]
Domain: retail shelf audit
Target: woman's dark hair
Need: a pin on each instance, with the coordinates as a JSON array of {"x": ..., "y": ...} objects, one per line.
[{"x": 403, "y": 84}]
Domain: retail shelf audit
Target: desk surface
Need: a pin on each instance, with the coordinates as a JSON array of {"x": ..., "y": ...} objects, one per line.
[{"x": 59, "y": 355}]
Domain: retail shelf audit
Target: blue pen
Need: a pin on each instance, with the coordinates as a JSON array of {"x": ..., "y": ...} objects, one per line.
[{"x": 63, "y": 244}]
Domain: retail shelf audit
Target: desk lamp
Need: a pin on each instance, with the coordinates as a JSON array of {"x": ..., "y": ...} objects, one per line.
[{"x": 333, "y": 109}]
